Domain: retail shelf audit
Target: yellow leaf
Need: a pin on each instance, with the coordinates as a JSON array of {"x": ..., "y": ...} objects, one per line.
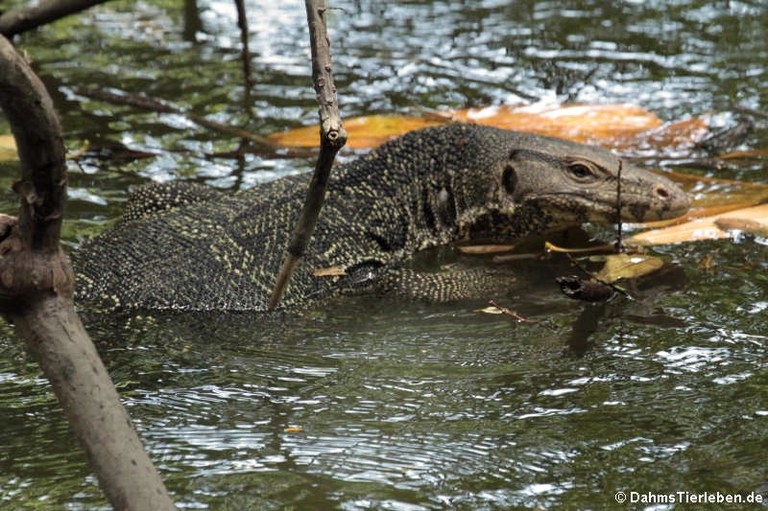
[
  {"x": 293, "y": 429},
  {"x": 628, "y": 266},
  {"x": 8, "y": 148}
]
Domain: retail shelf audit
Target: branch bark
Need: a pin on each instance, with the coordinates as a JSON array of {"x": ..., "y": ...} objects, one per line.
[
  {"x": 36, "y": 288},
  {"x": 21, "y": 20},
  {"x": 245, "y": 51},
  {"x": 333, "y": 136}
]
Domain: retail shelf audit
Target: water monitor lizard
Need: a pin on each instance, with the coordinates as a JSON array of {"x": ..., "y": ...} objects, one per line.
[{"x": 190, "y": 247}]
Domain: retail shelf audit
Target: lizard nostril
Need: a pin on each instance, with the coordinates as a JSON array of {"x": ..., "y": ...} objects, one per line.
[{"x": 662, "y": 192}]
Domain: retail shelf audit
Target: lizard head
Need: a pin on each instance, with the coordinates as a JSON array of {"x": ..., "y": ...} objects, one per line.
[{"x": 555, "y": 184}]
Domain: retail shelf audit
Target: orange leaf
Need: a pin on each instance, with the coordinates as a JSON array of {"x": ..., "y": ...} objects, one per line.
[
  {"x": 617, "y": 126},
  {"x": 581, "y": 123},
  {"x": 363, "y": 132}
]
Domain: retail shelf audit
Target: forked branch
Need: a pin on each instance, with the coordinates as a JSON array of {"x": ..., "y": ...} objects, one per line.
[{"x": 36, "y": 288}]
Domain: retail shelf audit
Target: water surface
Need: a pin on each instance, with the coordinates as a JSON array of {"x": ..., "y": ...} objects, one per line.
[{"x": 371, "y": 404}]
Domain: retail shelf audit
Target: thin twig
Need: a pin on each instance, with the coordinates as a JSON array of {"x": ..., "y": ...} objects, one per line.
[
  {"x": 619, "y": 241},
  {"x": 333, "y": 136},
  {"x": 510, "y": 313},
  {"x": 245, "y": 52}
]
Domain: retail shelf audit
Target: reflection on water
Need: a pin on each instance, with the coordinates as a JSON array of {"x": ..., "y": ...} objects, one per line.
[{"x": 368, "y": 404}]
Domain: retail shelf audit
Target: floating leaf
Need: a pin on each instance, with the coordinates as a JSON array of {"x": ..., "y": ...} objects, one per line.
[
  {"x": 616, "y": 126},
  {"x": 628, "y": 266},
  {"x": 362, "y": 132},
  {"x": 743, "y": 224},
  {"x": 750, "y": 154},
  {"x": 8, "y": 148},
  {"x": 704, "y": 228},
  {"x": 581, "y": 123},
  {"x": 680, "y": 136},
  {"x": 293, "y": 429},
  {"x": 713, "y": 196}
]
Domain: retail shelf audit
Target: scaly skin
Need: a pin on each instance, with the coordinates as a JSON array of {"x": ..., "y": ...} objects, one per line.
[{"x": 189, "y": 247}]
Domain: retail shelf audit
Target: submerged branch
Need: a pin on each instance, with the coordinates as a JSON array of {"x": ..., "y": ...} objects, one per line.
[{"x": 161, "y": 106}]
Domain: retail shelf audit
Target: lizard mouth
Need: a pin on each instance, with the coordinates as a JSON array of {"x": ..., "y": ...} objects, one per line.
[{"x": 664, "y": 203}]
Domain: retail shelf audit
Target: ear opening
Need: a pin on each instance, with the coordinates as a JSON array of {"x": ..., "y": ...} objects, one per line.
[{"x": 509, "y": 179}]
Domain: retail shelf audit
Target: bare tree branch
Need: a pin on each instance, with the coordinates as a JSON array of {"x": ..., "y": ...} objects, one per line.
[
  {"x": 333, "y": 136},
  {"x": 245, "y": 51},
  {"x": 16, "y": 22},
  {"x": 36, "y": 288}
]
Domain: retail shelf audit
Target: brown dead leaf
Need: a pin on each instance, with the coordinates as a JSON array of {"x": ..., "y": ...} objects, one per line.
[
  {"x": 743, "y": 224},
  {"x": 713, "y": 196},
  {"x": 616, "y": 126},
  {"x": 362, "y": 132}
]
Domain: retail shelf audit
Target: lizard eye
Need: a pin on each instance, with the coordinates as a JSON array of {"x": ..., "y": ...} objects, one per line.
[{"x": 580, "y": 170}]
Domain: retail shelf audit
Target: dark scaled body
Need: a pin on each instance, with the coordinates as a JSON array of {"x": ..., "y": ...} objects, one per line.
[{"x": 189, "y": 247}]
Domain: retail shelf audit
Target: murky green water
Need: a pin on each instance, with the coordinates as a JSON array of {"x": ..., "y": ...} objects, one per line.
[{"x": 370, "y": 404}]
